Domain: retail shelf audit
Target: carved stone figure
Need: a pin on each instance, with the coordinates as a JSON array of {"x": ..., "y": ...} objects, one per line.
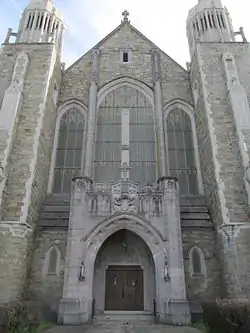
[
  {"x": 166, "y": 269},
  {"x": 82, "y": 271}
]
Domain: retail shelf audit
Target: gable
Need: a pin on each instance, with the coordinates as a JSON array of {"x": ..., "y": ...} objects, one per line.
[
  {"x": 175, "y": 79},
  {"x": 125, "y": 36}
]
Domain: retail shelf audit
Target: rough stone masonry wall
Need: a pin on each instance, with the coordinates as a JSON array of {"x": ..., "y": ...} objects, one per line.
[
  {"x": 228, "y": 157},
  {"x": 30, "y": 116},
  {"x": 201, "y": 288},
  {"x": 231, "y": 194},
  {"x": 44, "y": 288},
  {"x": 16, "y": 243},
  {"x": 205, "y": 146},
  {"x": 175, "y": 80},
  {"x": 7, "y": 63},
  {"x": 13, "y": 249}
]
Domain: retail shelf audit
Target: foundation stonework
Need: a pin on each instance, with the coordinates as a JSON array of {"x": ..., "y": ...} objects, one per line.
[{"x": 124, "y": 167}]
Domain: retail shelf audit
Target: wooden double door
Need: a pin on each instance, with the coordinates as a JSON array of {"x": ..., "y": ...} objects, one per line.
[{"x": 124, "y": 288}]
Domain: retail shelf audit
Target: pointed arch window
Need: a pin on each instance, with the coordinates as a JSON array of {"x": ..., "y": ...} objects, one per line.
[
  {"x": 69, "y": 150},
  {"x": 197, "y": 262},
  {"x": 181, "y": 151},
  {"x": 142, "y": 143},
  {"x": 52, "y": 262}
]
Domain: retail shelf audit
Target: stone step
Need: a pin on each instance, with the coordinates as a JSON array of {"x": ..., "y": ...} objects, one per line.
[
  {"x": 48, "y": 215},
  {"x": 123, "y": 318},
  {"x": 122, "y": 329},
  {"x": 195, "y": 216},
  {"x": 194, "y": 209},
  {"x": 60, "y": 208}
]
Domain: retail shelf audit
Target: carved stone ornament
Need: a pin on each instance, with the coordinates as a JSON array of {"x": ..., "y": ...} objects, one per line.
[
  {"x": 166, "y": 270},
  {"x": 125, "y": 197},
  {"x": 82, "y": 271},
  {"x": 20, "y": 67}
]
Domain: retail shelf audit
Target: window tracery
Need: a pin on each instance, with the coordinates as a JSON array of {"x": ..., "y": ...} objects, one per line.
[
  {"x": 69, "y": 150},
  {"x": 107, "y": 165},
  {"x": 181, "y": 151}
]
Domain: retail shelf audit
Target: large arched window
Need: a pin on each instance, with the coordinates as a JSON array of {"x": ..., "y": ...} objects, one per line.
[
  {"x": 181, "y": 152},
  {"x": 141, "y": 137},
  {"x": 69, "y": 150}
]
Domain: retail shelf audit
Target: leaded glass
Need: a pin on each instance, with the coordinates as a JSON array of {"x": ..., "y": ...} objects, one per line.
[
  {"x": 142, "y": 137},
  {"x": 181, "y": 153},
  {"x": 69, "y": 150}
]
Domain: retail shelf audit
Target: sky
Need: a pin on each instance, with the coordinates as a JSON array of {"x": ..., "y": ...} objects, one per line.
[{"x": 88, "y": 21}]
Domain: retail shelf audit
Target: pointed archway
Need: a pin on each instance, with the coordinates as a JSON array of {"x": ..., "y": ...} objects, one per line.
[{"x": 124, "y": 274}]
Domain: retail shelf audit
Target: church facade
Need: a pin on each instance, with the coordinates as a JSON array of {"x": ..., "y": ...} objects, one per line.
[{"x": 124, "y": 179}]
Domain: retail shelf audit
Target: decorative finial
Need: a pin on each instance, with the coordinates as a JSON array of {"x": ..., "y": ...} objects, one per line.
[{"x": 125, "y": 15}]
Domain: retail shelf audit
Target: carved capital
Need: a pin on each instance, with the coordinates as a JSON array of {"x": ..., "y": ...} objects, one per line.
[
  {"x": 230, "y": 231},
  {"x": 82, "y": 182},
  {"x": 168, "y": 184}
]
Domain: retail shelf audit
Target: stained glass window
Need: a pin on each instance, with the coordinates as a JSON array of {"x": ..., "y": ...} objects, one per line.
[
  {"x": 181, "y": 152},
  {"x": 142, "y": 137},
  {"x": 69, "y": 150}
]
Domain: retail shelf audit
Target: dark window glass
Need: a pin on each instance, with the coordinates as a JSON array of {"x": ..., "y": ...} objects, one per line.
[
  {"x": 181, "y": 153},
  {"x": 141, "y": 137},
  {"x": 69, "y": 150},
  {"x": 125, "y": 56},
  {"x": 196, "y": 262},
  {"x": 52, "y": 263}
]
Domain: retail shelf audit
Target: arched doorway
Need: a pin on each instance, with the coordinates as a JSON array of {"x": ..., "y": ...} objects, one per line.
[{"x": 124, "y": 274}]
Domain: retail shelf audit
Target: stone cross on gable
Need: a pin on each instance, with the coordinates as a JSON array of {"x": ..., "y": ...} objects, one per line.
[{"x": 125, "y": 15}]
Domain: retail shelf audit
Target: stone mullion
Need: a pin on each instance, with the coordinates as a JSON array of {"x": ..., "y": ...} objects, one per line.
[
  {"x": 161, "y": 156},
  {"x": 89, "y": 157}
]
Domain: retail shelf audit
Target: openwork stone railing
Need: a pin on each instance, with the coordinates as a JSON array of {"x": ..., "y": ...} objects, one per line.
[{"x": 125, "y": 196}]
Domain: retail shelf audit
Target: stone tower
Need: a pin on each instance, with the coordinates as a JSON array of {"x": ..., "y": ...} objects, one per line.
[
  {"x": 30, "y": 77},
  {"x": 219, "y": 75},
  {"x": 208, "y": 21}
]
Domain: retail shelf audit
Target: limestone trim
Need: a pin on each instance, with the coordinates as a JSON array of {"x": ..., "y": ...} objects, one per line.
[
  {"x": 47, "y": 261},
  {"x": 61, "y": 112},
  {"x": 125, "y": 81},
  {"x": 214, "y": 142},
  {"x": 108, "y": 227},
  {"x": 231, "y": 231},
  {"x": 186, "y": 107},
  {"x": 16, "y": 229},
  {"x": 203, "y": 272},
  {"x": 130, "y": 222},
  {"x": 96, "y": 238}
]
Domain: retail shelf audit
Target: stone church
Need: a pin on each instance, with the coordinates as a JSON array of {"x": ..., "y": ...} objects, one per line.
[{"x": 125, "y": 178}]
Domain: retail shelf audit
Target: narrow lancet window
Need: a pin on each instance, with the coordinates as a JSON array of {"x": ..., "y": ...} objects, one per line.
[
  {"x": 52, "y": 262},
  {"x": 197, "y": 262}
]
